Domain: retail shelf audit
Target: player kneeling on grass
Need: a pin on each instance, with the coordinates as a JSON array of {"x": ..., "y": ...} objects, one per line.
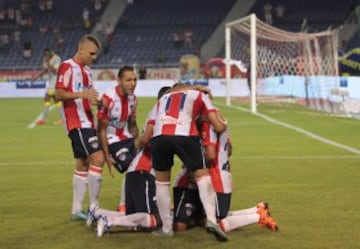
[
  {"x": 141, "y": 208},
  {"x": 139, "y": 189},
  {"x": 188, "y": 210}
]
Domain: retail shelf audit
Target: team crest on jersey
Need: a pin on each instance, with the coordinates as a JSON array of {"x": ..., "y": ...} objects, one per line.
[
  {"x": 78, "y": 86},
  {"x": 93, "y": 141}
]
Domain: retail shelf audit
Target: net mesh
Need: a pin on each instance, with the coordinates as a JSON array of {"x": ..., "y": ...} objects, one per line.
[{"x": 299, "y": 68}]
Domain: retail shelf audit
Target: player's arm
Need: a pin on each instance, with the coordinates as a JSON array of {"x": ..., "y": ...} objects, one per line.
[
  {"x": 145, "y": 136},
  {"x": 219, "y": 124},
  {"x": 55, "y": 64},
  {"x": 40, "y": 74},
  {"x": 91, "y": 94},
  {"x": 133, "y": 127},
  {"x": 63, "y": 81},
  {"x": 210, "y": 153},
  {"x": 207, "y": 140},
  {"x": 102, "y": 134},
  {"x": 229, "y": 148},
  {"x": 183, "y": 87}
]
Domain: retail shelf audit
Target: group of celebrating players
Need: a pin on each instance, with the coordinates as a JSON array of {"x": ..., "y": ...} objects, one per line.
[{"x": 183, "y": 122}]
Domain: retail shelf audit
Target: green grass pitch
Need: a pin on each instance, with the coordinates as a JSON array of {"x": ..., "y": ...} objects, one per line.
[{"x": 313, "y": 187}]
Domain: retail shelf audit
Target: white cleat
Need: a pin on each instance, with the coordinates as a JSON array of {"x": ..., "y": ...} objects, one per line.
[
  {"x": 91, "y": 218},
  {"x": 102, "y": 226}
]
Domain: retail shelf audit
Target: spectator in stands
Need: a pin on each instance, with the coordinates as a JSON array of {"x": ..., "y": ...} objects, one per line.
[
  {"x": 97, "y": 7},
  {"x": 106, "y": 50},
  {"x": 188, "y": 37},
  {"x": 43, "y": 29},
  {"x": 2, "y": 15},
  {"x": 42, "y": 6},
  {"x": 343, "y": 48},
  {"x": 60, "y": 42},
  {"x": 12, "y": 14},
  {"x": 86, "y": 18},
  {"x": 49, "y": 6},
  {"x": 99, "y": 29},
  {"x": 109, "y": 32},
  {"x": 177, "y": 40},
  {"x": 304, "y": 26},
  {"x": 5, "y": 43},
  {"x": 142, "y": 72},
  {"x": 27, "y": 51},
  {"x": 268, "y": 13},
  {"x": 160, "y": 57},
  {"x": 197, "y": 52},
  {"x": 17, "y": 35},
  {"x": 279, "y": 10}
]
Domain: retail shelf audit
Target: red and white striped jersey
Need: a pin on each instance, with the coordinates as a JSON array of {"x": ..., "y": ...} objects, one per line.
[
  {"x": 184, "y": 180},
  {"x": 220, "y": 167},
  {"x": 176, "y": 113},
  {"x": 142, "y": 160},
  {"x": 73, "y": 77},
  {"x": 117, "y": 109}
]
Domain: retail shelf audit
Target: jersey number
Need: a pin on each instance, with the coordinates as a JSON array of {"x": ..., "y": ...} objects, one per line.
[{"x": 175, "y": 104}]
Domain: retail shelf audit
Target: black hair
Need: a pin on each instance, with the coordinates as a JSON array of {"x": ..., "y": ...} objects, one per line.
[
  {"x": 162, "y": 91},
  {"x": 124, "y": 69}
]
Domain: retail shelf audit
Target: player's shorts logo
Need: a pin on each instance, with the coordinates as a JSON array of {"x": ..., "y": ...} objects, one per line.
[
  {"x": 121, "y": 154},
  {"x": 189, "y": 209},
  {"x": 93, "y": 141}
]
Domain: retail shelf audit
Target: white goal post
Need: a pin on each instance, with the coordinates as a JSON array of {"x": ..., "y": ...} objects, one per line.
[{"x": 301, "y": 68}]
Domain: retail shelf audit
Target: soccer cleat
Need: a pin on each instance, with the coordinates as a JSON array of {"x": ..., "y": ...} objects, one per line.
[
  {"x": 216, "y": 230},
  {"x": 266, "y": 220},
  {"x": 102, "y": 226},
  {"x": 159, "y": 232},
  {"x": 91, "y": 215},
  {"x": 40, "y": 122},
  {"x": 81, "y": 215}
]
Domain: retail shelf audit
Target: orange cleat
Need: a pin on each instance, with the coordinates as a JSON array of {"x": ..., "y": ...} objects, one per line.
[
  {"x": 267, "y": 220},
  {"x": 40, "y": 122}
]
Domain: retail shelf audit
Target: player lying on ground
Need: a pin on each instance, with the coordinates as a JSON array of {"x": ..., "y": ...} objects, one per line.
[{"x": 188, "y": 210}]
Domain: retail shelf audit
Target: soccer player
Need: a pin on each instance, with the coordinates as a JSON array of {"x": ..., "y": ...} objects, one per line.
[
  {"x": 175, "y": 133},
  {"x": 117, "y": 121},
  {"x": 187, "y": 207},
  {"x": 74, "y": 87},
  {"x": 141, "y": 208},
  {"x": 139, "y": 190},
  {"x": 50, "y": 64}
]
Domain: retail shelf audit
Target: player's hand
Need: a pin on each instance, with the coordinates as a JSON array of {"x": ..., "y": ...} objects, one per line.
[
  {"x": 204, "y": 89},
  {"x": 92, "y": 95}
]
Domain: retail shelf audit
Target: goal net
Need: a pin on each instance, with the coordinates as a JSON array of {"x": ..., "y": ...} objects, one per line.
[{"x": 285, "y": 67}]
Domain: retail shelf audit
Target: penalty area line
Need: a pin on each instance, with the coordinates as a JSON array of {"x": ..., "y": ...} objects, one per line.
[{"x": 298, "y": 129}]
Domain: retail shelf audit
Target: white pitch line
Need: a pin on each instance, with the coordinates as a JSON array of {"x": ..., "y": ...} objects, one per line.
[
  {"x": 33, "y": 123},
  {"x": 300, "y": 130}
]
